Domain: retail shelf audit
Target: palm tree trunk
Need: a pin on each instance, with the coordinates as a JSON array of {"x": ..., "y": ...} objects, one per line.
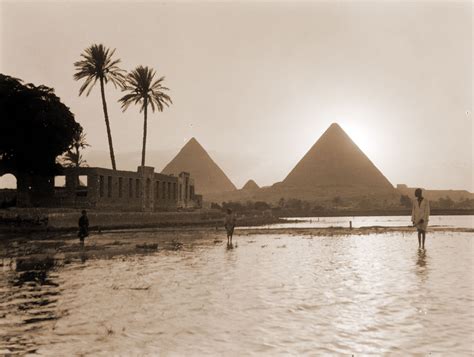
[
  {"x": 144, "y": 131},
  {"x": 107, "y": 124}
]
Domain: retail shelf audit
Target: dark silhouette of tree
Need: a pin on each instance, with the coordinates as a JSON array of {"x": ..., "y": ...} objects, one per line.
[
  {"x": 261, "y": 206},
  {"x": 281, "y": 202},
  {"x": 146, "y": 92},
  {"x": 445, "y": 202},
  {"x": 234, "y": 206},
  {"x": 73, "y": 156},
  {"x": 35, "y": 128},
  {"x": 98, "y": 65},
  {"x": 215, "y": 206},
  {"x": 294, "y": 204}
]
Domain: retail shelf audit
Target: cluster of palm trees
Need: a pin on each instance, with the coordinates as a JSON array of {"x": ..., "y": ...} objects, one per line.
[{"x": 97, "y": 64}]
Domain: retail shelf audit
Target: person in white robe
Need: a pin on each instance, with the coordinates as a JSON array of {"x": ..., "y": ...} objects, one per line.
[{"x": 420, "y": 216}]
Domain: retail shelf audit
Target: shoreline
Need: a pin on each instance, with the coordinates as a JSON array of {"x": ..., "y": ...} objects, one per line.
[
  {"x": 211, "y": 231},
  {"x": 40, "y": 220},
  {"x": 36, "y": 249},
  {"x": 373, "y": 213}
]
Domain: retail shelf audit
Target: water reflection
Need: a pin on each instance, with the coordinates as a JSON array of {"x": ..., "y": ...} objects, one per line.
[
  {"x": 273, "y": 295},
  {"x": 421, "y": 260},
  {"x": 383, "y": 221},
  {"x": 82, "y": 252},
  {"x": 29, "y": 295},
  {"x": 33, "y": 270},
  {"x": 422, "y": 267}
]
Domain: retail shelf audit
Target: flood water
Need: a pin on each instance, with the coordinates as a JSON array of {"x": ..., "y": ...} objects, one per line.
[
  {"x": 270, "y": 295},
  {"x": 370, "y": 221}
]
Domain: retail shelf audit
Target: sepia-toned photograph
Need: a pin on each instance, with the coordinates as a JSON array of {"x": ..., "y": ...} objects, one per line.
[{"x": 236, "y": 178}]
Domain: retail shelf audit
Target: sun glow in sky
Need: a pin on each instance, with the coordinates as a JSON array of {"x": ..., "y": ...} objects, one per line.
[{"x": 258, "y": 83}]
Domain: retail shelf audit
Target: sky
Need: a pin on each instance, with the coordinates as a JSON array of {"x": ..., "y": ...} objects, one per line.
[{"x": 257, "y": 83}]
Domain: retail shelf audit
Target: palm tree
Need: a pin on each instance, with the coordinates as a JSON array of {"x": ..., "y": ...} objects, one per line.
[
  {"x": 144, "y": 91},
  {"x": 73, "y": 156},
  {"x": 97, "y": 64}
]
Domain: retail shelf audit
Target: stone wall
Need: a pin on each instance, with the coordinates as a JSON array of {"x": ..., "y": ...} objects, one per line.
[
  {"x": 107, "y": 220},
  {"x": 143, "y": 190}
]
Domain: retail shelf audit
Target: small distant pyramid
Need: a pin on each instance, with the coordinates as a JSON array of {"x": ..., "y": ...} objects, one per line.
[
  {"x": 335, "y": 162},
  {"x": 250, "y": 185},
  {"x": 208, "y": 177}
]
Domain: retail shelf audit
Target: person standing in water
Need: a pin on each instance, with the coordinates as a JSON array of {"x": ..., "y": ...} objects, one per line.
[
  {"x": 420, "y": 215},
  {"x": 83, "y": 226},
  {"x": 229, "y": 225}
]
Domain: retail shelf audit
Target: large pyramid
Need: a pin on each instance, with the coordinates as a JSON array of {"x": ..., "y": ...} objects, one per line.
[
  {"x": 208, "y": 177},
  {"x": 336, "y": 163}
]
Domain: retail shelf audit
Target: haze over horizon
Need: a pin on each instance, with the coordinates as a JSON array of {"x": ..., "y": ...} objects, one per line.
[{"x": 258, "y": 83}]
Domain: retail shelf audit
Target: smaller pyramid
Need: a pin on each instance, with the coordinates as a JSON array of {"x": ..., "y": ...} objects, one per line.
[
  {"x": 208, "y": 176},
  {"x": 250, "y": 185}
]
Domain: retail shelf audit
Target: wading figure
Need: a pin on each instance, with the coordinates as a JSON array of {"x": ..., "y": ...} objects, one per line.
[
  {"x": 83, "y": 226},
  {"x": 229, "y": 225},
  {"x": 420, "y": 215}
]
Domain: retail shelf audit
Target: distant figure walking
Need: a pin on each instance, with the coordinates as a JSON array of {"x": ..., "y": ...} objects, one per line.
[
  {"x": 229, "y": 225},
  {"x": 83, "y": 226},
  {"x": 420, "y": 215}
]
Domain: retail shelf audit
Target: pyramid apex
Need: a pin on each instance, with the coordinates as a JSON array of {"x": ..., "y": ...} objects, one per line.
[
  {"x": 250, "y": 185},
  {"x": 335, "y": 126},
  {"x": 192, "y": 143},
  {"x": 208, "y": 176},
  {"x": 335, "y": 160}
]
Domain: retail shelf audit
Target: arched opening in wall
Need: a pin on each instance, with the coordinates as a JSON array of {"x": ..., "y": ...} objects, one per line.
[{"x": 8, "y": 191}]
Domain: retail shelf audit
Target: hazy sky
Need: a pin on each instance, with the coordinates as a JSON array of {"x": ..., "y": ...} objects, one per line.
[{"x": 258, "y": 82}]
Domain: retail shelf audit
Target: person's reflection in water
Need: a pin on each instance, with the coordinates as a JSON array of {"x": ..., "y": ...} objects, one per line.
[
  {"x": 82, "y": 252},
  {"x": 421, "y": 261},
  {"x": 421, "y": 264},
  {"x": 83, "y": 227},
  {"x": 83, "y": 256},
  {"x": 229, "y": 224}
]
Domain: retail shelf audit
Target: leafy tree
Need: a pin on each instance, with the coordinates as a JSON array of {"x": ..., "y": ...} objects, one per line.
[
  {"x": 215, "y": 206},
  {"x": 261, "y": 206},
  {"x": 317, "y": 208},
  {"x": 466, "y": 203},
  {"x": 146, "y": 92},
  {"x": 234, "y": 206},
  {"x": 294, "y": 204},
  {"x": 98, "y": 65},
  {"x": 35, "y": 128},
  {"x": 445, "y": 202},
  {"x": 281, "y": 202}
]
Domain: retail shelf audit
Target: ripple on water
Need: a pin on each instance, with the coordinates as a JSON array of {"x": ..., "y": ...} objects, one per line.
[{"x": 355, "y": 294}]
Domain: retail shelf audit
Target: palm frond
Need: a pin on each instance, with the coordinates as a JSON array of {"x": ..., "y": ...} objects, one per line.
[
  {"x": 97, "y": 63},
  {"x": 140, "y": 85}
]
